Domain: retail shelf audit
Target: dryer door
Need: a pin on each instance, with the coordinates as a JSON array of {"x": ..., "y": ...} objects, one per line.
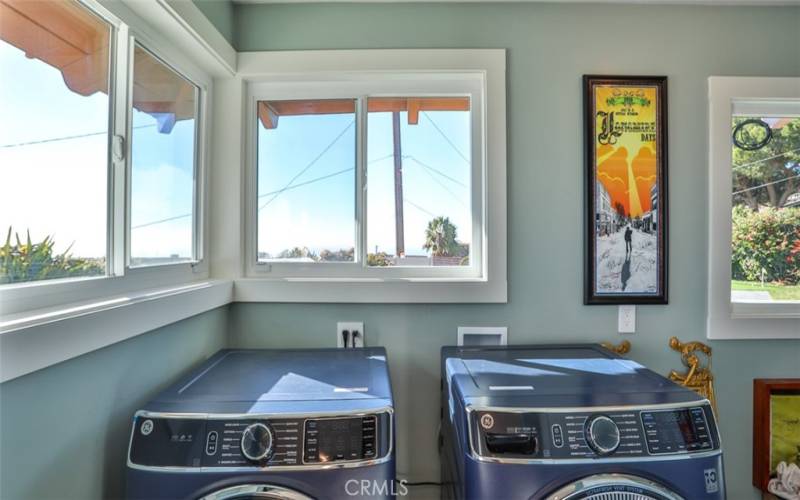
[
  {"x": 256, "y": 492},
  {"x": 614, "y": 487}
]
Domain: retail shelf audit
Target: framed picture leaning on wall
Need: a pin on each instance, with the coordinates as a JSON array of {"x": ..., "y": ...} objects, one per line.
[
  {"x": 626, "y": 187},
  {"x": 776, "y": 429}
]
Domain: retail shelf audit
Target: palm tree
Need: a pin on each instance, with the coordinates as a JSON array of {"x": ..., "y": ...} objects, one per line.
[{"x": 440, "y": 237}]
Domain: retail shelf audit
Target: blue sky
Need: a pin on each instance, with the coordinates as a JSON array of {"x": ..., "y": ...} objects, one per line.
[
  {"x": 321, "y": 214},
  {"x": 58, "y": 187}
]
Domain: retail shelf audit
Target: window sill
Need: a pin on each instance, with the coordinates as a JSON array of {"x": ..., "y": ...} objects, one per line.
[
  {"x": 36, "y": 339},
  {"x": 775, "y": 309},
  {"x": 397, "y": 291}
]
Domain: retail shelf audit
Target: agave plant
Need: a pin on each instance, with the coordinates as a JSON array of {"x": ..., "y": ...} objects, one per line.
[{"x": 31, "y": 261}]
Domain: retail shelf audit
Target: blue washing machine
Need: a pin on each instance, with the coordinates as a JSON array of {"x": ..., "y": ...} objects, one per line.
[
  {"x": 269, "y": 424},
  {"x": 569, "y": 422}
]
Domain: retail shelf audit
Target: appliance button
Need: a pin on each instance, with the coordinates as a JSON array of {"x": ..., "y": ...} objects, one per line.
[
  {"x": 211, "y": 443},
  {"x": 558, "y": 436}
]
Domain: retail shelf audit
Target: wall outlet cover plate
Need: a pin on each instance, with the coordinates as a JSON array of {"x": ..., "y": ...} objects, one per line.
[
  {"x": 350, "y": 326},
  {"x": 482, "y": 335}
]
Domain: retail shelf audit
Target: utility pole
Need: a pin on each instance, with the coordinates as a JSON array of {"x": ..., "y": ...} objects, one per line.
[{"x": 398, "y": 187}]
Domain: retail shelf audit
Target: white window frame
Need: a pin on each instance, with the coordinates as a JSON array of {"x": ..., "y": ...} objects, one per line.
[
  {"x": 725, "y": 319},
  {"x": 357, "y": 74},
  {"x": 19, "y": 299}
]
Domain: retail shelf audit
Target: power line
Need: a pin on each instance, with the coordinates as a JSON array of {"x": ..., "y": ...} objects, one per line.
[
  {"x": 412, "y": 158},
  {"x": 66, "y": 138},
  {"x": 451, "y": 193},
  {"x": 765, "y": 185},
  {"x": 765, "y": 159},
  {"x": 311, "y": 164},
  {"x": 419, "y": 207},
  {"x": 153, "y": 223},
  {"x": 445, "y": 137}
]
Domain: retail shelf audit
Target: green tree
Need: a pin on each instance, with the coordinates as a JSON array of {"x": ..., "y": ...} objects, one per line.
[
  {"x": 29, "y": 261},
  {"x": 440, "y": 237},
  {"x": 779, "y": 159},
  {"x": 298, "y": 253},
  {"x": 379, "y": 259}
]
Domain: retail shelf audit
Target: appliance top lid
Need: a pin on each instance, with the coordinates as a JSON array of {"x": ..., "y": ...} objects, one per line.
[
  {"x": 285, "y": 375},
  {"x": 527, "y": 371}
]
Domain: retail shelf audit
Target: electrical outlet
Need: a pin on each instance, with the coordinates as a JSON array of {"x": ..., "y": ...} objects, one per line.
[
  {"x": 355, "y": 336},
  {"x": 627, "y": 319}
]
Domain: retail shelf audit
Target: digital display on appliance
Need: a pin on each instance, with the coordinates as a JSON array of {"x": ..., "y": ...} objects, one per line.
[
  {"x": 676, "y": 431},
  {"x": 340, "y": 439},
  {"x": 679, "y": 423}
]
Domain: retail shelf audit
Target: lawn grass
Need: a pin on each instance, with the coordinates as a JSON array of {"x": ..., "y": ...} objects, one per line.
[{"x": 777, "y": 292}]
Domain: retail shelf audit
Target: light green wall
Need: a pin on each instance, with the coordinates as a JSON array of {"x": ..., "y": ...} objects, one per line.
[
  {"x": 64, "y": 430},
  {"x": 221, "y": 15},
  {"x": 549, "y": 48}
]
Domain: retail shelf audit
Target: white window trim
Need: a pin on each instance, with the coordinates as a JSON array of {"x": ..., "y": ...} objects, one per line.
[
  {"x": 346, "y": 69},
  {"x": 726, "y": 320},
  {"x": 47, "y": 322},
  {"x": 121, "y": 278}
]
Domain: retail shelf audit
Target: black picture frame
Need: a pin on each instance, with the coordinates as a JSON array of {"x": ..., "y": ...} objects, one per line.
[{"x": 653, "y": 223}]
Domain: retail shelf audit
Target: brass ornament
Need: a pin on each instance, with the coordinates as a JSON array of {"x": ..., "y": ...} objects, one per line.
[
  {"x": 624, "y": 347},
  {"x": 698, "y": 376}
]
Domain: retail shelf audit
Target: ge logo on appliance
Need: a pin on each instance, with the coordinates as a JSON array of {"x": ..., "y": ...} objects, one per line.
[
  {"x": 147, "y": 427},
  {"x": 487, "y": 421}
]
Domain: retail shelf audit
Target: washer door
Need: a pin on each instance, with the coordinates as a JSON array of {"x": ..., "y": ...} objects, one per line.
[
  {"x": 256, "y": 492},
  {"x": 614, "y": 487}
]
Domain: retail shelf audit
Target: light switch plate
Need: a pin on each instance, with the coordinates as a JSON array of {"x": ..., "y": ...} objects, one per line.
[
  {"x": 627, "y": 319},
  {"x": 482, "y": 335},
  {"x": 350, "y": 326}
]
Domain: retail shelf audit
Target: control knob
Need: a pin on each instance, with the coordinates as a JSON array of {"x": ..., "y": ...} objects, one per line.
[
  {"x": 602, "y": 434},
  {"x": 257, "y": 442}
]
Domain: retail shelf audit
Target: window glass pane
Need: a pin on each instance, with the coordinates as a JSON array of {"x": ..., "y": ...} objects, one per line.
[
  {"x": 163, "y": 163},
  {"x": 419, "y": 169},
  {"x": 306, "y": 180},
  {"x": 766, "y": 209},
  {"x": 54, "y": 119}
]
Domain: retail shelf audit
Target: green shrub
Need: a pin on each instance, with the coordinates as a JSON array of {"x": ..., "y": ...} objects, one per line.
[
  {"x": 30, "y": 261},
  {"x": 768, "y": 239}
]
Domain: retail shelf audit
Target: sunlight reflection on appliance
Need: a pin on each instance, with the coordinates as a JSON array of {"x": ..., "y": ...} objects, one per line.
[
  {"x": 482, "y": 365},
  {"x": 293, "y": 383},
  {"x": 590, "y": 365}
]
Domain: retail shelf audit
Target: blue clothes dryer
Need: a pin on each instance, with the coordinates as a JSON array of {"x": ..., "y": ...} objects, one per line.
[
  {"x": 570, "y": 422},
  {"x": 269, "y": 424}
]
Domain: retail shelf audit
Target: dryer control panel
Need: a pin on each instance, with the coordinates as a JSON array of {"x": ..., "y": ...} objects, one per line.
[
  {"x": 212, "y": 443},
  {"x": 579, "y": 434}
]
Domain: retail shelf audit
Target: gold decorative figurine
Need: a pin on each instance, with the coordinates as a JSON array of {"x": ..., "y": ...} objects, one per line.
[
  {"x": 623, "y": 348},
  {"x": 698, "y": 376}
]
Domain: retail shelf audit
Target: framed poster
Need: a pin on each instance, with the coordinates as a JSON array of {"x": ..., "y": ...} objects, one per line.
[
  {"x": 776, "y": 427},
  {"x": 626, "y": 186}
]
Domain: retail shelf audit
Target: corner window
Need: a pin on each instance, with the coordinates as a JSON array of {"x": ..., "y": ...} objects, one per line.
[
  {"x": 306, "y": 180},
  {"x": 54, "y": 138},
  {"x": 163, "y": 144},
  {"x": 100, "y": 156},
  {"x": 419, "y": 176},
  {"x": 379, "y": 178},
  {"x": 754, "y": 226}
]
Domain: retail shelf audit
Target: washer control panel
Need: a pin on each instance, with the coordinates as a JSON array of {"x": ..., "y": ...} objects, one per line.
[
  {"x": 213, "y": 443},
  {"x": 622, "y": 433}
]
